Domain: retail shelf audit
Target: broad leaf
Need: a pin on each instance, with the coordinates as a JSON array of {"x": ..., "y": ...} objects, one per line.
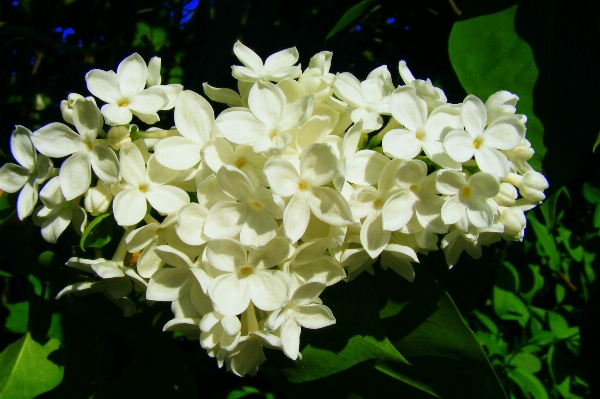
[
  {"x": 349, "y": 16},
  {"x": 26, "y": 370},
  {"x": 98, "y": 233},
  {"x": 546, "y": 240},
  {"x": 488, "y": 55},
  {"x": 529, "y": 384}
]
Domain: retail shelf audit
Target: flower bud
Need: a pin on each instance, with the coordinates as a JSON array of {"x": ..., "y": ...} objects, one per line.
[
  {"x": 521, "y": 153},
  {"x": 117, "y": 136},
  {"x": 66, "y": 107},
  {"x": 514, "y": 221},
  {"x": 507, "y": 195},
  {"x": 501, "y": 103},
  {"x": 531, "y": 185},
  {"x": 97, "y": 199}
]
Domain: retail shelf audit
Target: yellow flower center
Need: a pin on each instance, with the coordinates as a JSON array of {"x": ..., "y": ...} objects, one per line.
[
  {"x": 477, "y": 143},
  {"x": 246, "y": 271},
  {"x": 466, "y": 192},
  {"x": 255, "y": 205},
  {"x": 240, "y": 162}
]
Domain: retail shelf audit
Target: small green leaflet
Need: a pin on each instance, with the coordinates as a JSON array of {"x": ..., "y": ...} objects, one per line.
[
  {"x": 349, "y": 16},
  {"x": 98, "y": 233}
]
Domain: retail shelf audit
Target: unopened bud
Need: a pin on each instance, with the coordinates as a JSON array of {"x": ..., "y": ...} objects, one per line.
[{"x": 97, "y": 199}]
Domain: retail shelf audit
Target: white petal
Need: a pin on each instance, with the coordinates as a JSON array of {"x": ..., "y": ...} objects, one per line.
[
  {"x": 247, "y": 57},
  {"x": 225, "y": 220},
  {"x": 258, "y": 230},
  {"x": 296, "y": 217},
  {"x": 273, "y": 253},
  {"x": 222, "y": 95},
  {"x": 26, "y": 202},
  {"x": 315, "y": 316},
  {"x": 318, "y": 164},
  {"x": 459, "y": 145},
  {"x": 401, "y": 144},
  {"x": 116, "y": 115},
  {"x": 103, "y": 85},
  {"x": 296, "y": 112},
  {"x": 178, "y": 153},
  {"x": 53, "y": 227},
  {"x": 474, "y": 115},
  {"x": 226, "y": 255},
  {"x": 372, "y": 235},
  {"x": 450, "y": 182},
  {"x": 347, "y": 87},
  {"x": 105, "y": 163},
  {"x": 194, "y": 117},
  {"x": 129, "y": 207},
  {"x": 328, "y": 205},
  {"x": 398, "y": 210},
  {"x": 140, "y": 238},
  {"x": 87, "y": 119},
  {"x": 190, "y": 224},
  {"x": 75, "y": 175},
  {"x": 13, "y": 177},
  {"x": 167, "y": 199},
  {"x": 21, "y": 147},
  {"x": 484, "y": 185},
  {"x": 365, "y": 167},
  {"x": 282, "y": 59},
  {"x": 290, "y": 338},
  {"x": 173, "y": 257},
  {"x": 160, "y": 174},
  {"x": 230, "y": 296},
  {"x": 234, "y": 183},
  {"x": 133, "y": 167},
  {"x": 240, "y": 126},
  {"x": 492, "y": 161},
  {"x": 452, "y": 211},
  {"x": 131, "y": 74},
  {"x": 149, "y": 101},
  {"x": 281, "y": 176},
  {"x": 267, "y": 102},
  {"x": 408, "y": 108},
  {"x": 268, "y": 289},
  {"x": 504, "y": 133},
  {"x": 56, "y": 140},
  {"x": 168, "y": 284}
]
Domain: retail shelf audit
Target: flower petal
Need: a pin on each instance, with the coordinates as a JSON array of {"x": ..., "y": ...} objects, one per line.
[
  {"x": 129, "y": 207},
  {"x": 167, "y": 199},
  {"x": 75, "y": 175},
  {"x": 104, "y": 85},
  {"x": 56, "y": 140},
  {"x": 131, "y": 74}
]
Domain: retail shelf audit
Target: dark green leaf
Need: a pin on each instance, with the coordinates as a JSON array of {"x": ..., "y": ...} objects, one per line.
[
  {"x": 26, "y": 371},
  {"x": 576, "y": 252},
  {"x": 16, "y": 321},
  {"x": 548, "y": 209},
  {"x": 532, "y": 281},
  {"x": 528, "y": 383},
  {"x": 591, "y": 193},
  {"x": 508, "y": 306},
  {"x": 559, "y": 371},
  {"x": 542, "y": 338},
  {"x": 98, "y": 233},
  {"x": 354, "y": 12},
  {"x": 546, "y": 240},
  {"x": 488, "y": 56},
  {"x": 489, "y": 323},
  {"x": 527, "y": 362},
  {"x": 560, "y": 293}
]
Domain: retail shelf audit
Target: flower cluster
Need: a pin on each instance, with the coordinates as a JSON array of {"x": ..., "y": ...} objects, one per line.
[{"x": 307, "y": 178}]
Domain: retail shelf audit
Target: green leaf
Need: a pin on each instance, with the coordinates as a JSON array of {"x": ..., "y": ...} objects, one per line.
[
  {"x": 26, "y": 370},
  {"x": 542, "y": 338},
  {"x": 507, "y": 277},
  {"x": 548, "y": 209},
  {"x": 560, "y": 327},
  {"x": 560, "y": 293},
  {"x": 527, "y": 362},
  {"x": 486, "y": 321},
  {"x": 559, "y": 370},
  {"x": 565, "y": 238},
  {"x": 494, "y": 343},
  {"x": 488, "y": 55},
  {"x": 531, "y": 282},
  {"x": 98, "y": 233},
  {"x": 508, "y": 306},
  {"x": 16, "y": 322},
  {"x": 546, "y": 240},
  {"x": 590, "y": 193},
  {"x": 597, "y": 216},
  {"x": 354, "y": 12},
  {"x": 528, "y": 383}
]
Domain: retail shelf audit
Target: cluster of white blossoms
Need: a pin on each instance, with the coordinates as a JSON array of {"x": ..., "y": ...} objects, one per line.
[{"x": 306, "y": 179}]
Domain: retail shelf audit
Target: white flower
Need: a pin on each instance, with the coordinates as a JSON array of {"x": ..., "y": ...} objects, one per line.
[
  {"x": 248, "y": 275},
  {"x": 57, "y": 213},
  {"x": 503, "y": 133},
  {"x": 467, "y": 197},
  {"x": 66, "y": 106},
  {"x": 318, "y": 166},
  {"x": 303, "y": 309},
  {"x": 194, "y": 121},
  {"x": 57, "y": 140},
  {"x": 267, "y": 123},
  {"x": 501, "y": 103},
  {"x": 277, "y": 67},
  {"x": 370, "y": 97},
  {"x": 253, "y": 217},
  {"x": 422, "y": 130},
  {"x": 433, "y": 96},
  {"x": 116, "y": 284},
  {"x": 143, "y": 184},
  {"x": 33, "y": 170},
  {"x": 124, "y": 94},
  {"x": 153, "y": 80}
]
